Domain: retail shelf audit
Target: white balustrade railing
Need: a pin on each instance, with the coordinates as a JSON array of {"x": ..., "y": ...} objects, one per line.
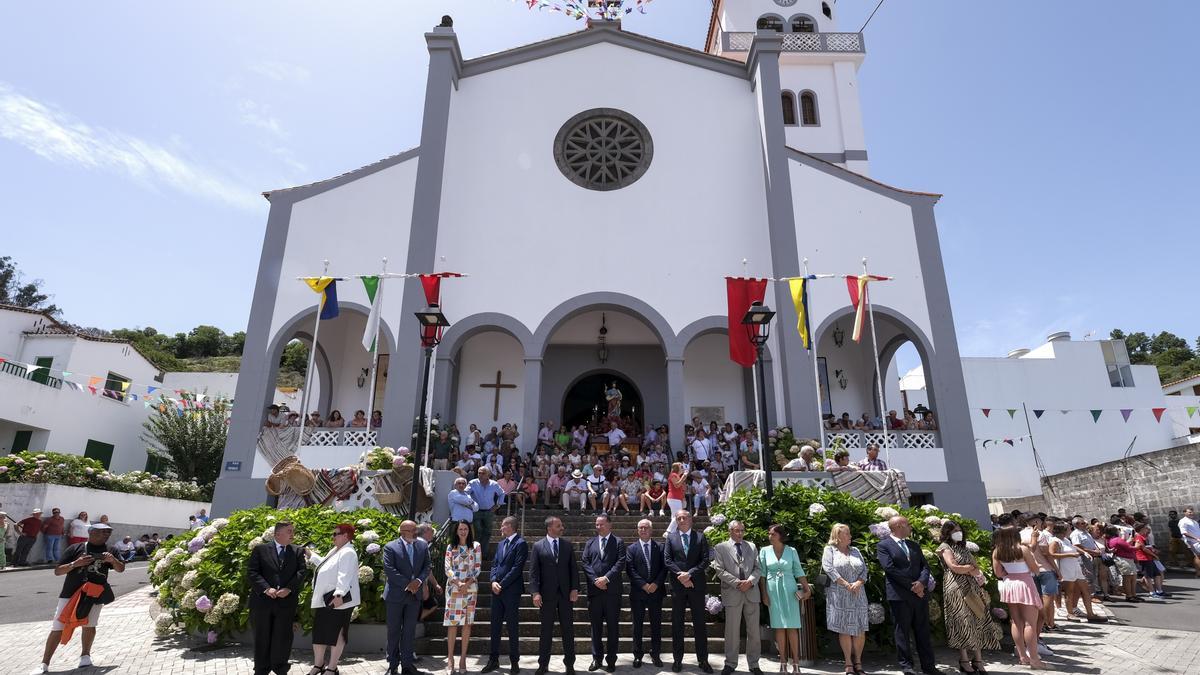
[
  {"x": 800, "y": 42},
  {"x": 857, "y": 440},
  {"x": 333, "y": 438}
]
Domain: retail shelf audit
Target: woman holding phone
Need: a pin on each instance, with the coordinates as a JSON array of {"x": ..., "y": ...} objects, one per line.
[{"x": 335, "y": 594}]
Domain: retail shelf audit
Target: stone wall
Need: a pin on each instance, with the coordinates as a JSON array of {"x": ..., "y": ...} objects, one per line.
[
  {"x": 1153, "y": 483},
  {"x": 1030, "y": 504}
]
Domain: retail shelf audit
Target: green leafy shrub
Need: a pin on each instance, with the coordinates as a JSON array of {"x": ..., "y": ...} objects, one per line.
[
  {"x": 808, "y": 526},
  {"x": 79, "y": 471},
  {"x": 210, "y": 568}
]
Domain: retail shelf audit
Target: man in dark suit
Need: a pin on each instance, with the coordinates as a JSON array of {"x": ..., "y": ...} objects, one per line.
[
  {"x": 405, "y": 569},
  {"x": 647, "y": 588},
  {"x": 276, "y": 571},
  {"x": 603, "y": 560},
  {"x": 508, "y": 585},
  {"x": 554, "y": 583},
  {"x": 688, "y": 555},
  {"x": 908, "y": 579}
]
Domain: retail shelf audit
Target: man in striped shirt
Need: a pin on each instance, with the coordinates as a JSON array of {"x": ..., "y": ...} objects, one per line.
[{"x": 872, "y": 462}]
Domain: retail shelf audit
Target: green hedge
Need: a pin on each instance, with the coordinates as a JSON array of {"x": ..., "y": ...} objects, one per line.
[{"x": 79, "y": 471}]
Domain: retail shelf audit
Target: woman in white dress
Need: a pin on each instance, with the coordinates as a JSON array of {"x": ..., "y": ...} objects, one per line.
[
  {"x": 1074, "y": 584},
  {"x": 335, "y": 595}
]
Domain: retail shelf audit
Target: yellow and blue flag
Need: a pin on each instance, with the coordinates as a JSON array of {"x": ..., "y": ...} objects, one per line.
[
  {"x": 799, "y": 288},
  {"x": 327, "y": 287}
]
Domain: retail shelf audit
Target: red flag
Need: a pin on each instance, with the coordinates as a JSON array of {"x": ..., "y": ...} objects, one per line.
[
  {"x": 987, "y": 412},
  {"x": 432, "y": 285},
  {"x": 857, "y": 285},
  {"x": 741, "y": 293},
  {"x": 1158, "y": 412}
]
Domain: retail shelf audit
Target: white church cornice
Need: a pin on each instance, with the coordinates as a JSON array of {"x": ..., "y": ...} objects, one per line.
[
  {"x": 826, "y": 166},
  {"x": 300, "y": 192}
]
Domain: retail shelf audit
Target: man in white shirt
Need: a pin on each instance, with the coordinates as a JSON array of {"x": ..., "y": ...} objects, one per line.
[
  {"x": 546, "y": 434},
  {"x": 700, "y": 446},
  {"x": 1190, "y": 530},
  {"x": 615, "y": 437},
  {"x": 576, "y": 488}
]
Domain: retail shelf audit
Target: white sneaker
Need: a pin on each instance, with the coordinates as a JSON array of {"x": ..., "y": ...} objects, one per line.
[
  {"x": 85, "y": 661},
  {"x": 44, "y": 668}
]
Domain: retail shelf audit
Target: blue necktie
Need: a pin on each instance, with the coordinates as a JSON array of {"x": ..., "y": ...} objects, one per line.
[
  {"x": 555, "y": 544},
  {"x": 687, "y": 540},
  {"x": 646, "y": 554}
]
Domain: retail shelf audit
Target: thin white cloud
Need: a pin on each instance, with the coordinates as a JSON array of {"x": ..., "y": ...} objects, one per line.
[
  {"x": 258, "y": 115},
  {"x": 281, "y": 72},
  {"x": 56, "y": 135},
  {"x": 1018, "y": 327}
]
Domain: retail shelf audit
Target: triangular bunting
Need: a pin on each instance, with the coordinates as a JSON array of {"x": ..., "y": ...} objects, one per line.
[
  {"x": 92, "y": 389},
  {"x": 1158, "y": 413},
  {"x": 150, "y": 390},
  {"x": 67, "y": 373},
  {"x": 93, "y": 381},
  {"x": 1126, "y": 412},
  {"x": 1012, "y": 413},
  {"x": 987, "y": 412},
  {"x": 1191, "y": 410},
  {"x": 1038, "y": 413},
  {"x": 1009, "y": 441},
  {"x": 1096, "y": 415},
  {"x": 1064, "y": 411}
]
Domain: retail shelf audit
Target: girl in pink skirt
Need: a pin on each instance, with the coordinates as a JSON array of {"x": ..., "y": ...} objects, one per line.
[{"x": 1012, "y": 563}]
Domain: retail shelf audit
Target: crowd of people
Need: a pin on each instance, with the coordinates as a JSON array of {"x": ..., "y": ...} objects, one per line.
[
  {"x": 281, "y": 416},
  {"x": 920, "y": 419}
]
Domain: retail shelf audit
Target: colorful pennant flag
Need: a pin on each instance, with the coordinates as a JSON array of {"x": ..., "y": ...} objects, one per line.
[
  {"x": 987, "y": 412},
  {"x": 1038, "y": 413},
  {"x": 799, "y": 288},
  {"x": 1158, "y": 413},
  {"x": 1126, "y": 412},
  {"x": 740, "y": 293},
  {"x": 375, "y": 295},
  {"x": 857, "y": 286},
  {"x": 1191, "y": 410},
  {"x": 326, "y": 287},
  {"x": 1096, "y": 415},
  {"x": 1012, "y": 413}
]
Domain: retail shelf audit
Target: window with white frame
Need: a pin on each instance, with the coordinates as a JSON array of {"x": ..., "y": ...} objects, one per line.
[{"x": 1116, "y": 360}]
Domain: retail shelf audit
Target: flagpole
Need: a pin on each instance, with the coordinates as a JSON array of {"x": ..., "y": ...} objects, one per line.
[
  {"x": 375, "y": 353},
  {"x": 812, "y": 343},
  {"x": 887, "y": 445},
  {"x": 306, "y": 396}
]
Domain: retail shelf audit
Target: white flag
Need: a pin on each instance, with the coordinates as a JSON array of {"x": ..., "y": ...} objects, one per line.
[{"x": 374, "y": 288}]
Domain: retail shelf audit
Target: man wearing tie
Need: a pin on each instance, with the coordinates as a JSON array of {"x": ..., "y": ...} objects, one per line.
[
  {"x": 508, "y": 585},
  {"x": 736, "y": 563},
  {"x": 405, "y": 567},
  {"x": 603, "y": 559},
  {"x": 553, "y": 581},
  {"x": 647, "y": 579},
  {"x": 907, "y": 577},
  {"x": 687, "y": 557},
  {"x": 276, "y": 571}
]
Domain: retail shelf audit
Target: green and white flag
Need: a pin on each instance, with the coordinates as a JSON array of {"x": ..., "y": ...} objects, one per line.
[{"x": 375, "y": 295}]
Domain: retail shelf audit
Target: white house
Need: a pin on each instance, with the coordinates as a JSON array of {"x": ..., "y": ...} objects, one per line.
[
  {"x": 1067, "y": 404},
  {"x": 65, "y": 391},
  {"x": 572, "y": 184}
]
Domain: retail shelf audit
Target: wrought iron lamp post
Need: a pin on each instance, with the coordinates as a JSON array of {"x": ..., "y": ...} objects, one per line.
[
  {"x": 432, "y": 323},
  {"x": 758, "y": 326}
]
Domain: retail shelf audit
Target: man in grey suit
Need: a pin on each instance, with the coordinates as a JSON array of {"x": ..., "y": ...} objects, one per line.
[
  {"x": 405, "y": 567},
  {"x": 736, "y": 563}
]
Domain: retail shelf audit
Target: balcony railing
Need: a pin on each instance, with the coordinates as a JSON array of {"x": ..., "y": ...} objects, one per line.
[
  {"x": 851, "y": 43},
  {"x": 332, "y": 438},
  {"x": 916, "y": 440},
  {"x": 10, "y": 368}
]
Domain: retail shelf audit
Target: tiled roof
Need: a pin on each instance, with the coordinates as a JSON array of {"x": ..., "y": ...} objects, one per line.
[
  {"x": 57, "y": 327},
  {"x": 1181, "y": 381}
]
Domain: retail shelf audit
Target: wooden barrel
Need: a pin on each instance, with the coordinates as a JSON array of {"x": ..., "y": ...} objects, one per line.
[{"x": 808, "y": 634}]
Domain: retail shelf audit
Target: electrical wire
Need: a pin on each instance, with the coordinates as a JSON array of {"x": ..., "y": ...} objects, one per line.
[{"x": 864, "y": 26}]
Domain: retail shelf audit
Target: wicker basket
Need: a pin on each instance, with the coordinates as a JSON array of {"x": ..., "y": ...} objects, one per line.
[{"x": 289, "y": 473}]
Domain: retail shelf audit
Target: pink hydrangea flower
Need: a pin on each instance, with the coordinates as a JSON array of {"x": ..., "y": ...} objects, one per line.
[
  {"x": 212, "y": 637},
  {"x": 203, "y": 604}
]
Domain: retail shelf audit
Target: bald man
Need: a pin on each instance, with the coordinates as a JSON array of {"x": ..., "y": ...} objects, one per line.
[
  {"x": 908, "y": 579},
  {"x": 405, "y": 568}
]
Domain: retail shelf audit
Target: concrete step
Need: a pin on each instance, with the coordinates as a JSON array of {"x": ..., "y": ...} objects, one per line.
[
  {"x": 582, "y": 626},
  {"x": 483, "y": 614},
  {"x": 528, "y": 646},
  {"x": 485, "y": 599}
]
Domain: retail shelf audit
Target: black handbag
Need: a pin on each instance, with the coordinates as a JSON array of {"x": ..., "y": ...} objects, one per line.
[{"x": 328, "y": 597}]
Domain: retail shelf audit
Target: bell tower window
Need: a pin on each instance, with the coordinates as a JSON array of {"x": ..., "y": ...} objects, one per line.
[
  {"x": 825, "y": 9},
  {"x": 803, "y": 24},
  {"x": 808, "y": 110},
  {"x": 770, "y": 22},
  {"x": 789, "y": 109}
]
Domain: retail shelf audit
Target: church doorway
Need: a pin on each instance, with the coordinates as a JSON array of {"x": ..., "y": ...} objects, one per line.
[{"x": 584, "y": 402}]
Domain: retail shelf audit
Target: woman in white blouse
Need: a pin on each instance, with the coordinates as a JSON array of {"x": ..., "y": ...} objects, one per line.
[{"x": 335, "y": 594}]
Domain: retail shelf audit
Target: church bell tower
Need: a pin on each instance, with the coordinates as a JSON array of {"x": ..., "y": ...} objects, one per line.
[{"x": 818, "y": 71}]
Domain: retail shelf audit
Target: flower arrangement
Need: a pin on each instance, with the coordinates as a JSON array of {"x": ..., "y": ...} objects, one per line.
[
  {"x": 78, "y": 471},
  {"x": 205, "y": 591},
  {"x": 712, "y": 604}
]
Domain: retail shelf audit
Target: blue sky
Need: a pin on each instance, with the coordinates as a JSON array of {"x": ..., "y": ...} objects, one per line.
[{"x": 135, "y": 138}]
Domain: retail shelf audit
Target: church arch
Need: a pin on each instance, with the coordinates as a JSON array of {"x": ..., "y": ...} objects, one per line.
[
  {"x": 770, "y": 22},
  {"x": 789, "y": 108},
  {"x": 568, "y": 407},
  {"x": 809, "y": 115},
  {"x": 719, "y": 325},
  {"x": 463, "y": 329},
  {"x": 603, "y": 300},
  {"x": 803, "y": 23}
]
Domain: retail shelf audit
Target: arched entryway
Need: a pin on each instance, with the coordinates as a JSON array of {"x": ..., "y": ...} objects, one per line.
[{"x": 584, "y": 400}]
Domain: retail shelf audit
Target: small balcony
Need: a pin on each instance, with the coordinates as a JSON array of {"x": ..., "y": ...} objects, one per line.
[
  {"x": 737, "y": 45},
  {"x": 41, "y": 375}
]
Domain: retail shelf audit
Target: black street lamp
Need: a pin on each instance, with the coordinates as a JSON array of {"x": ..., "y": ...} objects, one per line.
[
  {"x": 758, "y": 325},
  {"x": 432, "y": 323}
]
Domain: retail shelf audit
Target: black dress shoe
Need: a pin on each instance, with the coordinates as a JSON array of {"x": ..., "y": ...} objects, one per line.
[
  {"x": 637, "y": 662},
  {"x": 705, "y": 667},
  {"x": 756, "y": 671},
  {"x": 656, "y": 660},
  {"x": 931, "y": 671},
  {"x": 611, "y": 668},
  {"x": 491, "y": 666},
  {"x": 541, "y": 670},
  {"x": 677, "y": 667},
  {"x": 727, "y": 670},
  {"x": 594, "y": 666},
  {"x": 514, "y": 669},
  {"x": 570, "y": 670}
]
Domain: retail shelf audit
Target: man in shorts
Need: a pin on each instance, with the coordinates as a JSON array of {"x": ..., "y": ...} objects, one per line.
[{"x": 84, "y": 563}]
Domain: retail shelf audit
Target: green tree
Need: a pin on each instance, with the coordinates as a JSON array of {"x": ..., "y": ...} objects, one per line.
[
  {"x": 14, "y": 290},
  {"x": 295, "y": 358},
  {"x": 205, "y": 341},
  {"x": 189, "y": 442},
  {"x": 1169, "y": 353}
]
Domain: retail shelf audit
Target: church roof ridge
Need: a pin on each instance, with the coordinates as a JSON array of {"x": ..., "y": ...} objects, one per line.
[
  {"x": 333, "y": 181},
  {"x": 860, "y": 176}
]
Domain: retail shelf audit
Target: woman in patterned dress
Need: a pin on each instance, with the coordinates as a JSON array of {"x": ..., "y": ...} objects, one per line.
[
  {"x": 846, "y": 597},
  {"x": 782, "y": 579},
  {"x": 969, "y": 626},
  {"x": 464, "y": 558}
]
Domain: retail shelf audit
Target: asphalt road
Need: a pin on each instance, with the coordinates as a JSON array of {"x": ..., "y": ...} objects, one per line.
[
  {"x": 31, "y": 594},
  {"x": 1180, "y": 611}
]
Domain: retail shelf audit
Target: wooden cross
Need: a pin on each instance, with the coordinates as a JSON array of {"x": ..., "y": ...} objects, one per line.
[{"x": 497, "y": 387}]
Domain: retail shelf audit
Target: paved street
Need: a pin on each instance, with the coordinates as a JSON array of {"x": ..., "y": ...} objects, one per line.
[
  {"x": 1177, "y": 612},
  {"x": 126, "y": 644},
  {"x": 26, "y": 594}
]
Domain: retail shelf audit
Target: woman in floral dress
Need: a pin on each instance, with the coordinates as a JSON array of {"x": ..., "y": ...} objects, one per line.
[
  {"x": 846, "y": 596},
  {"x": 464, "y": 559}
]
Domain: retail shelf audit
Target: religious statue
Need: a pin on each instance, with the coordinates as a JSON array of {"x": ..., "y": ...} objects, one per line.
[{"x": 613, "y": 396}]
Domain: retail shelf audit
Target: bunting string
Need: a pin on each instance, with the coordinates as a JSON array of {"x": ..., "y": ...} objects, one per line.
[{"x": 1097, "y": 413}]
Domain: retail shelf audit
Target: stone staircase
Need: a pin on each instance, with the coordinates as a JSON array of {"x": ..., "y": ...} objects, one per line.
[{"x": 578, "y": 528}]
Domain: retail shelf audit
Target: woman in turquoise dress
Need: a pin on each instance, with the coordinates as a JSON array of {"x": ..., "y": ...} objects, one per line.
[{"x": 785, "y": 586}]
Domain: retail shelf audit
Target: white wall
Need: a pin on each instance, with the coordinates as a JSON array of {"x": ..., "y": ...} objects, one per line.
[
  {"x": 710, "y": 378},
  {"x": 478, "y": 360},
  {"x": 742, "y": 15},
  {"x": 512, "y": 220},
  {"x": 213, "y": 384}
]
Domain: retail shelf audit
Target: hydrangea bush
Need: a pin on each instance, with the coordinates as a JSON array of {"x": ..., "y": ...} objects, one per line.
[
  {"x": 809, "y": 514},
  {"x": 202, "y": 584},
  {"x": 79, "y": 471}
]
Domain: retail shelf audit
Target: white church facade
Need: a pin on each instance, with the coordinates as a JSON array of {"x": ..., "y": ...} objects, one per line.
[{"x": 575, "y": 187}]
